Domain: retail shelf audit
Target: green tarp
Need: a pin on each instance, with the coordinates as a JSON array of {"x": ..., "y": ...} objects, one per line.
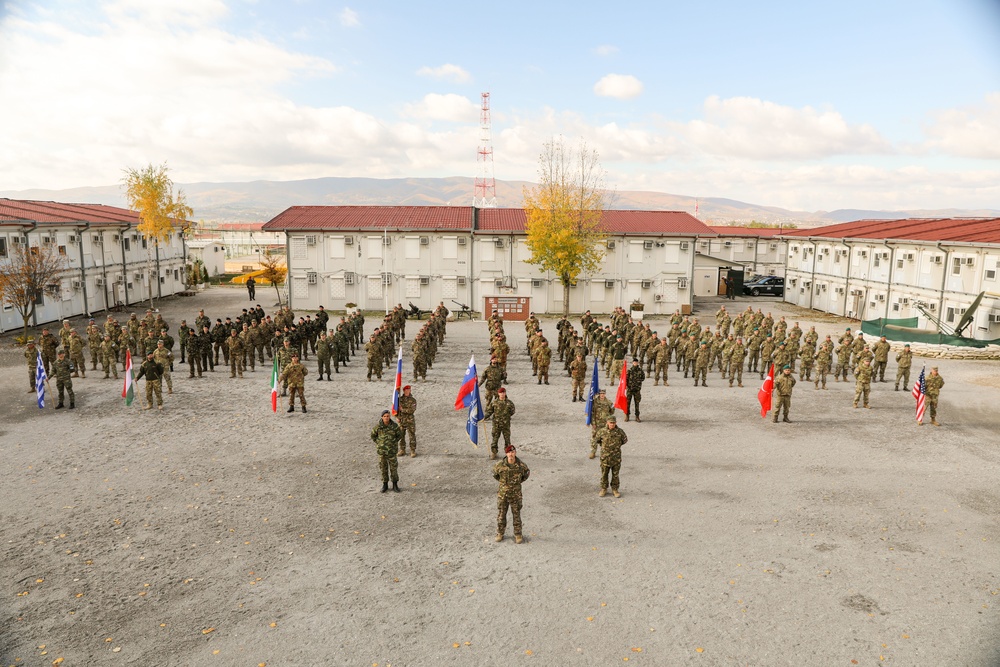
[{"x": 905, "y": 330}]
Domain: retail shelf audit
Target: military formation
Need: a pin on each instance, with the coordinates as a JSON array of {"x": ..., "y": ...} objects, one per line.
[{"x": 625, "y": 350}]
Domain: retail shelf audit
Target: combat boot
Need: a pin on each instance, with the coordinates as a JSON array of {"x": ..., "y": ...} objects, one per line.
[
  {"x": 320, "y": 378},
  {"x": 60, "y": 406},
  {"x": 703, "y": 384},
  {"x": 401, "y": 452},
  {"x": 615, "y": 493},
  {"x": 395, "y": 487},
  {"x": 934, "y": 423},
  {"x": 574, "y": 399},
  {"x": 637, "y": 419},
  {"x": 72, "y": 404},
  {"x": 656, "y": 383},
  {"x": 328, "y": 378},
  {"x": 626, "y": 417},
  {"x": 413, "y": 454},
  {"x": 493, "y": 456},
  {"x": 385, "y": 486},
  {"x": 518, "y": 539},
  {"x": 897, "y": 388},
  {"x": 303, "y": 409},
  {"x": 499, "y": 537},
  {"x": 787, "y": 420},
  {"x": 291, "y": 408},
  {"x": 592, "y": 455},
  {"x": 603, "y": 493}
]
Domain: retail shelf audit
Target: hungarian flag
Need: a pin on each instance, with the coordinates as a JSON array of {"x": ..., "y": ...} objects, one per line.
[
  {"x": 274, "y": 385},
  {"x": 766, "y": 389},
  {"x": 595, "y": 389},
  {"x": 128, "y": 391},
  {"x": 468, "y": 399},
  {"x": 399, "y": 383},
  {"x": 621, "y": 401},
  {"x": 920, "y": 393}
]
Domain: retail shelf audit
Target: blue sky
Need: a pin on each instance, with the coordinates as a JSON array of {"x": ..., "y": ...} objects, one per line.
[{"x": 853, "y": 104}]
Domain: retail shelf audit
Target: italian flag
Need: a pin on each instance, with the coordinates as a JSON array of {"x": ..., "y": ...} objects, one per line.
[
  {"x": 128, "y": 391},
  {"x": 274, "y": 385}
]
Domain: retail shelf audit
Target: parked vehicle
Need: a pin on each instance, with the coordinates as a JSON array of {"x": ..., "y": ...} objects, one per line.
[{"x": 769, "y": 285}]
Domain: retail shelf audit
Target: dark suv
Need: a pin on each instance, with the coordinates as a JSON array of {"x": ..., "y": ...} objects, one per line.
[{"x": 772, "y": 285}]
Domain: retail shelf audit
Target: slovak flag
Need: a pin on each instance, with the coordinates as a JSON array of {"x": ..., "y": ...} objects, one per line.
[
  {"x": 766, "y": 389},
  {"x": 595, "y": 389},
  {"x": 399, "y": 382},
  {"x": 468, "y": 398}
]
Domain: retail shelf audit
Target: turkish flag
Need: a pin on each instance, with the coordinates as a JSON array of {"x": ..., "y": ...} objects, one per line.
[
  {"x": 621, "y": 402},
  {"x": 766, "y": 389}
]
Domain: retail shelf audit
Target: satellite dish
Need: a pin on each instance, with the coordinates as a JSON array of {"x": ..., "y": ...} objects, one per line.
[{"x": 967, "y": 318}]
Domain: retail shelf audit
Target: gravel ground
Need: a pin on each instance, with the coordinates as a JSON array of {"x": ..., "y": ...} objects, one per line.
[{"x": 218, "y": 533}]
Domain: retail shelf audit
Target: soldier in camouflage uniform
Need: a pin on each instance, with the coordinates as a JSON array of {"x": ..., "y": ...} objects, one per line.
[
  {"x": 94, "y": 343},
  {"x": 610, "y": 439},
  {"x": 206, "y": 342},
  {"x": 783, "y": 386},
  {"x": 501, "y": 410},
  {"x": 863, "y": 382},
  {"x": 324, "y": 353},
  {"x": 881, "y": 352},
  {"x": 64, "y": 380},
  {"x": 702, "y": 361},
  {"x": 284, "y": 355},
  {"x": 165, "y": 358},
  {"x": 766, "y": 355},
  {"x": 808, "y": 355},
  {"x": 294, "y": 377},
  {"x": 634, "y": 378},
  {"x": 843, "y": 358},
  {"x": 386, "y": 436},
  {"x": 235, "y": 353},
  {"x": 600, "y": 412},
  {"x": 109, "y": 362},
  {"x": 934, "y": 383},
  {"x": 511, "y": 473},
  {"x": 153, "y": 371},
  {"x": 374, "y": 349},
  {"x": 419, "y": 357},
  {"x": 76, "y": 354},
  {"x": 543, "y": 358},
  {"x": 904, "y": 360},
  {"x": 737, "y": 353},
  {"x": 408, "y": 422},
  {"x": 48, "y": 344},
  {"x": 194, "y": 353},
  {"x": 578, "y": 371},
  {"x": 659, "y": 357},
  {"x": 493, "y": 378},
  {"x": 182, "y": 338},
  {"x": 824, "y": 360}
]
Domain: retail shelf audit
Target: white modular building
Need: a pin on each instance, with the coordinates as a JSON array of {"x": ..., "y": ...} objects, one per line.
[
  {"x": 107, "y": 261},
  {"x": 378, "y": 256}
]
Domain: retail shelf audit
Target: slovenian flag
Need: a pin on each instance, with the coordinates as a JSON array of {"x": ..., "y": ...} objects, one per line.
[
  {"x": 40, "y": 377},
  {"x": 128, "y": 391},
  {"x": 468, "y": 398},
  {"x": 594, "y": 390},
  {"x": 399, "y": 382},
  {"x": 766, "y": 389},
  {"x": 274, "y": 385}
]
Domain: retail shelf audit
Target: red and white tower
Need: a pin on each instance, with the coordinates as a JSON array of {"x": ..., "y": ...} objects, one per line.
[{"x": 485, "y": 195}]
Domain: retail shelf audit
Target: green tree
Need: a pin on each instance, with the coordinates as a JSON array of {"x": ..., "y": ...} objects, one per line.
[
  {"x": 565, "y": 213},
  {"x": 149, "y": 192}
]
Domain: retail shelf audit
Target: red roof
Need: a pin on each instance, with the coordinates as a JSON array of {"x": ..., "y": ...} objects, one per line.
[
  {"x": 732, "y": 230},
  {"x": 969, "y": 230},
  {"x": 371, "y": 217},
  {"x": 47, "y": 212},
  {"x": 460, "y": 218}
]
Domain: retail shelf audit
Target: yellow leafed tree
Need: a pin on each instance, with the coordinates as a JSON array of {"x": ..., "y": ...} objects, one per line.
[
  {"x": 565, "y": 213},
  {"x": 150, "y": 193},
  {"x": 273, "y": 271}
]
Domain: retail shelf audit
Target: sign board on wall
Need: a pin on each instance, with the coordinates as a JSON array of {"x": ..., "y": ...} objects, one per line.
[{"x": 510, "y": 307}]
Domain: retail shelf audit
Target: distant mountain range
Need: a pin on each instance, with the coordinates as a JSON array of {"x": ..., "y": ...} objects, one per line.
[{"x": 259, "y": 201}]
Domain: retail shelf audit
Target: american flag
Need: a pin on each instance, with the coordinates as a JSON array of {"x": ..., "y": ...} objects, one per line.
[{"x": 920, "y": 393}]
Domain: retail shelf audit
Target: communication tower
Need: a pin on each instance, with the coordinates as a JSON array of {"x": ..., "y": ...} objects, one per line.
[{"x": 485, "y": 195}]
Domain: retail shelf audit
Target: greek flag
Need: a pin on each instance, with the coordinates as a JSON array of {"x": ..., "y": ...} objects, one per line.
[{"x": 40, "y": 378}]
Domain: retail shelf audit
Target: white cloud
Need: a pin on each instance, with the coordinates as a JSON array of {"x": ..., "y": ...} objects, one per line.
[
  {"x": 349, "y": 18},
  {"x": 620, "y": 86},
  {"x": 747, "y": 127},
  {"x": 606, "y": 50},
  {"x": 968, "y": 132},
  {"x": 447, "y": 72},
  {"x": 449, "y": 107}
]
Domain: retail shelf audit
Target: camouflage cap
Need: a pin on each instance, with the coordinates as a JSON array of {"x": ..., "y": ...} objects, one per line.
[
  {"x": 613, "y": 419},
  {"x": 934, "y": 368},
  {"x": 907, "y": 345}
]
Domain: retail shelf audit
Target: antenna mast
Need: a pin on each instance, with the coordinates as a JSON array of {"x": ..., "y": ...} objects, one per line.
[{"x": 485, "y": 195}]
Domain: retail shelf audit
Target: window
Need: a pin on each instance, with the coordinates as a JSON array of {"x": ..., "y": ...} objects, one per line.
[
  {"x": 337, "y": 288},
  {"x": 449, "y": 286},
  {"x": 956, "y": 267},
  {"x": 412, "y": 284},
  {"x": 128, "y": 246},
  {"x": 337, "y": 248},
  {"x": 878, "y": 259},
  {"x": 597, "y": 290},
  {"x": 635, "y": 252},
  {"x": 374, "y": 247},
  {"x": 673, "y": 254},
  {"x": 298, "y": 249},
  {"x": 991, "y": 274},
  {"x": 836, "y": 258},
  {"x": 487, "y": 250},
  {"x": 449, "y": 248},
  {"x": 899, "y": 263},
  {"x": 411, "y": 249},
  {"x": 950, "y": 316},
  {"x": 3, "y": 247},
  {"x": 62, "y": 250}
]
